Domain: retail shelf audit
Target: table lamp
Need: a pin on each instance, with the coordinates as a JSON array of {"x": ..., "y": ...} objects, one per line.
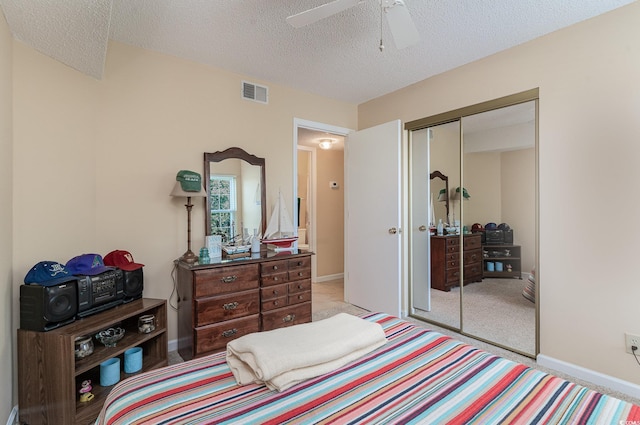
[{"x": 191, "y": 182}]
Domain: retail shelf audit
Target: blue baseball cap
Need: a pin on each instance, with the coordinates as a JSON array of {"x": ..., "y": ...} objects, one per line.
[
  {"x": 87, "y": 265},
  {"x": 48, "y": 273}
]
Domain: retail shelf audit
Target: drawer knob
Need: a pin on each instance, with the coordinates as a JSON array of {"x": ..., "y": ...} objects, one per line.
[
  {"x": 300, "y": 273},
  {"x": 300, "y": 286},
  {"x": 276, "y": 278},
  {"x": 289, "y": 318},
  {"x": 300, "y": 297},
  {"x": 229, "y": 279},
  {"x": 230, "y": 306},
  {"x": 229, "y": 333},
  {"x": 275, "y": 267},
  {"x": 299, "y": 263},
  {"x": 276, "y": 302},
  {"x": 275, "y": 292}
]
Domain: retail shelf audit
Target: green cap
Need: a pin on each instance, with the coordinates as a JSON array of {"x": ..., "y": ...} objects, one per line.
[{"x": 189, "y": 180}]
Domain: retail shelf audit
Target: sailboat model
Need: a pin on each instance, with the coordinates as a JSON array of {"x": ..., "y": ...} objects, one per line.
[{"x": 279, "y": 235}]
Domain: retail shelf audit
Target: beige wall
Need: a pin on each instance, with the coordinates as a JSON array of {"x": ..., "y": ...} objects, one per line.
[
  {"x": 330, "y": 212},
  {"x": 95, "y": 160},
  {"x": 588, "y": 127},
  {"x": 7, "y": 288}
]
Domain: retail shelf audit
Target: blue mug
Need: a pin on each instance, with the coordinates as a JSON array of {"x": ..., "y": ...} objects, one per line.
[
  {"x": 490, "y": 266},
  {"x": 110, "y": 372},
  {"x": 498, "y": 266},
  {"x": 133, "y": 360}
]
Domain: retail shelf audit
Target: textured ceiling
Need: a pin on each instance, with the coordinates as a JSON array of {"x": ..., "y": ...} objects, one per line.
[{"x": 337, "y": 57}]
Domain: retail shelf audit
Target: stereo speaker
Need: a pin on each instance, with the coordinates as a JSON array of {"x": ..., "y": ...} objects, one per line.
[
  {"x": 133, "y": 284},
  {"x": 508, "y": 236},
  {"x": 43, "y": 308}
]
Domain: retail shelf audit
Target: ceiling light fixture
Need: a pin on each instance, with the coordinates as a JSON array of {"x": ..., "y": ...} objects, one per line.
[{"x": 326, "y": 143}]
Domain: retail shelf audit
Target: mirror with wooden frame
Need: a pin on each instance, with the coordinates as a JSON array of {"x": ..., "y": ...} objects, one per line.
[
  {"x": 440, "y": 196},
  {"x": 236, "y": 195}
]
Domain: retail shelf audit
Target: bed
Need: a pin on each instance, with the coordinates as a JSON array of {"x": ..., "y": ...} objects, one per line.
[{"x": 418, "y": 376}]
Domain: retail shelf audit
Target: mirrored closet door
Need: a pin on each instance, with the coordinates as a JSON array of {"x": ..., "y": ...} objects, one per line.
[{"x": 473, "y": 203}]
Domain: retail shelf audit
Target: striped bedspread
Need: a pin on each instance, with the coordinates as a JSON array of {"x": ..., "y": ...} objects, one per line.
[{"x": 420, "y": 377}]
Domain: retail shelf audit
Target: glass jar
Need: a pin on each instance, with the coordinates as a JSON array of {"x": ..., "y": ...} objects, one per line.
[
  {"x": 83, "y": 346},
  {"x": 146, "y": 323}
]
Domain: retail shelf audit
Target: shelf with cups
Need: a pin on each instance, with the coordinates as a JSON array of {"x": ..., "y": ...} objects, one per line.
[
  {"x": 501, "y": 261},
  {"x": 55, "y": 386}
]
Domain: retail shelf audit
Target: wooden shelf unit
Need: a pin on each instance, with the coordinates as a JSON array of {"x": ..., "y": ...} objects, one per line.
[
  {"x": 498, "y": 253},
  {"x": 49, "y": 375}
]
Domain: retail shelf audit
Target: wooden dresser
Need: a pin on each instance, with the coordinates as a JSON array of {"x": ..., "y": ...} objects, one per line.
[
  {"x": 221, "y": 301},
  {"x": 445, "y": 260}
]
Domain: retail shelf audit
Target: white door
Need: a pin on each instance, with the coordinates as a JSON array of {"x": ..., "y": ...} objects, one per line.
[{"x": 372, "y": 218}]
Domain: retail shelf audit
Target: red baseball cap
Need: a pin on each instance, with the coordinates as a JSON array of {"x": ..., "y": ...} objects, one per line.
[{"x": 122, "y": 260}]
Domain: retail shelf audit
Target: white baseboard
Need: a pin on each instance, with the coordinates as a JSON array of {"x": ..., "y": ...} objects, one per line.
[
  {"x": 329, "y": 277},
  {"x": 13, "y": 416},
  {"x": 173, "y": 345},
  {"x": 597, "y": 378}
]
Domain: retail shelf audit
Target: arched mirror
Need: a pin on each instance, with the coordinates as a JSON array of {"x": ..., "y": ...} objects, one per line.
[
  {"x": 439, "y": 198},
  {"x": 236, "y": 196}
]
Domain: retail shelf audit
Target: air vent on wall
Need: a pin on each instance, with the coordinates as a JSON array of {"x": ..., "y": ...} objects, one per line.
[{"x": 255, "y": 92}]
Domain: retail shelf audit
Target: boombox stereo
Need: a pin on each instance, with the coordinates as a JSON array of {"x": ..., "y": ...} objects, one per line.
[
  {"x": 43, "y": 308},
  {"x": 100, "y": 292},
  {"x": 498, "y": 237}
]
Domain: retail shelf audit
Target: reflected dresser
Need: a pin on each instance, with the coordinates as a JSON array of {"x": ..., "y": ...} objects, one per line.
[{"x": 445, "y": 260}]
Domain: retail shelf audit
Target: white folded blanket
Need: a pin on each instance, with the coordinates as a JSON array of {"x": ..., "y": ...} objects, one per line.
[{"x": 284, "y": 357}]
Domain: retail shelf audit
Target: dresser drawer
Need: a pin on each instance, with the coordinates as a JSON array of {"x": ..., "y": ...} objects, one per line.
[
  {"x": 215, "y": 337},
  {"x": 274, "y": 291},
  {"x": 274, "y": 303},
  {"x": 274, "y": 267},
  {"x": 300, "y": 274},
  {"x": 287, "y": 316},
  {"x": 275, "y": 278},
  {"x": 473, "y": 273},
  {"x": 225, "y": 307},
  {"x": 300, "y": 263},
  {"x": 472, "y": 242},
  {"x": 452, "y": 249},
  {"x": 452, "y": 241},
  {"x": 299, "y": 297},
  {"x": 300, "y": 286},
  {"x": 222, "y": 280},
  {"x": 453, "y": 276},
  {"x": 472, "y": 257}
]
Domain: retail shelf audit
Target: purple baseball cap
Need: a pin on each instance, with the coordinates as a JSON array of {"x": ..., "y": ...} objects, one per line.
[
  {"x": 87, "y": 265},
  {"x": 48, "y": 273}
]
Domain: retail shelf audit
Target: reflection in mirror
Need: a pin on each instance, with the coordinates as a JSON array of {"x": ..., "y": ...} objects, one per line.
[
  {"x": 499, "y": 170},
  {"x": 235, "y": 186},
  {"x": 435, "y": 291},
  {"x": 495, "y": 263},
  {"x": 439, "y": 199}
]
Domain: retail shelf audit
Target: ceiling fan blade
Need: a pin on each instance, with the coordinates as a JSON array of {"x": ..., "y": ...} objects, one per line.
[
  {"x": 402, "y": 28},
  {"x": 317, "y": 13}
]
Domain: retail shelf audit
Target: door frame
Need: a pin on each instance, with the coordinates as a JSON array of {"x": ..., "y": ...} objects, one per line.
[{"x": 316, "y": 126}]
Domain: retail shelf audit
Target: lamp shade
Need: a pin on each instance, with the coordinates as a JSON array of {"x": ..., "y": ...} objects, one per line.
[{"x": 178, "y": 191}]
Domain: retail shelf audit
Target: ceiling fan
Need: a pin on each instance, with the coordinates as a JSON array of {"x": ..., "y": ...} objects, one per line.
[{"x": 402, "y": 28}]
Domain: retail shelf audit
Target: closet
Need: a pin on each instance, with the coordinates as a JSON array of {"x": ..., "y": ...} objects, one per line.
[{"x": 475, "y": 171}]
